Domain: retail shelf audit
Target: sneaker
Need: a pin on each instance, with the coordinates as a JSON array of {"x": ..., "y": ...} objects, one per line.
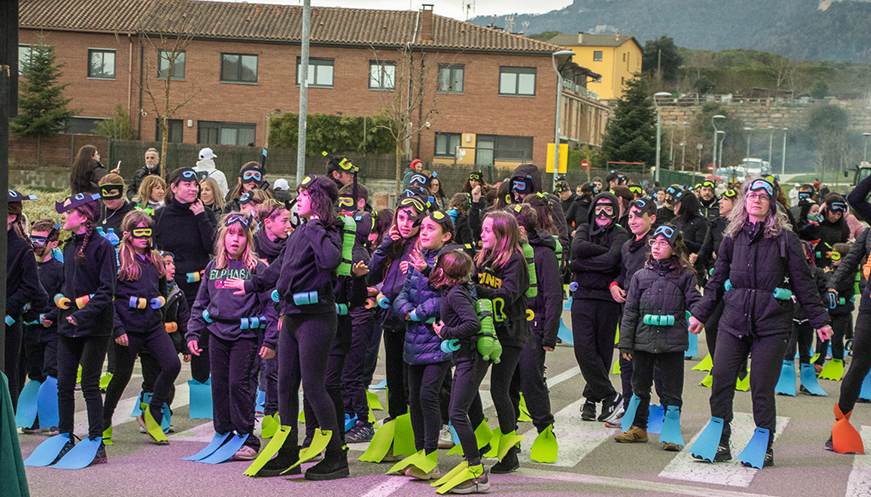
[
  {"x": 361, "y": 432},
  {"x": 830, "y": 444},
  {"x": 611, "y": 407},
  {"x": 767, "y": 462},
  {"x": 477, "y": 485},
  {"x": 419, "y": 474},
  {"x": 66, "y": 448},
  {"x": 100, "y": 457},
  {"x": 32, "y": 430},
  {"x": 246, "y": 453},
  {"x": 588, "y": 412},
  {"x": 508, "y": 463},
  {"x": 670, "y": 447},
  {"x": 818, "y": 368},
  {"x": 617, "y": 422},
  {"x": 633, "y": 435},
  {"x": 446, "y": 440},
  {"x": 723, "y": 454}
]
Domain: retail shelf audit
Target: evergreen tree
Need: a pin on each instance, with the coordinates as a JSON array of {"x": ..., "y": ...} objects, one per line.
[
  {"x": 630, "y": 135},
  {"x": 42, "y": 108},
  {"x": 661, "y": 58}
]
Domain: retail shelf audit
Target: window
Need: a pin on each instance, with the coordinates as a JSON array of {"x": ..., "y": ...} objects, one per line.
[
  {"x": 24, "y": 52},
  {"x": 622, "y": 81},
  {"x": 446, "y": 144},
  {"x": 382, "y": 74},
  {"x": 82, "y": 125},
  {"x": 451, "y": 78},
  {"x": 238, "y": 68},
  {"x": 320, "y": 71},
  {"x": 163, "y": 65},
  {"x": 218, "y": 133},
  {"x": 517, "y": 81},
  {"x": 175, "y": 127},
  {"x": 597, "y": 55},
  {"x": 101, "y": 64},
  {"x": 505, "y": 148}
]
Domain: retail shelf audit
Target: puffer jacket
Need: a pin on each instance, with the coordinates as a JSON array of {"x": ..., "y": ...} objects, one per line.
[
  {"x": 693, "y": 231},
  {"x": 391, "y": 277},
  {"x": 713, "y": 239},
  {"x": 419, "y": 299},
  {"x": 508, "y": 283},
  {"x": 660, "y": 289},
  {"x": 755, "y": 266},
  {"x": 596, "y": 257},
  {"x": 846, "y": 271},
  {"x": 821, "y": 279}
]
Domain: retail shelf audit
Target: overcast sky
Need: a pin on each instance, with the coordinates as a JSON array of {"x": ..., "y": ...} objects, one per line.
[{"x": 452, "y": 8}]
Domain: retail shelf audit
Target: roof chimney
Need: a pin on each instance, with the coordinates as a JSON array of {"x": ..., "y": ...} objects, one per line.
[
  {"x": 580, "y": 37},
  {"x": 426, "y": 23}
]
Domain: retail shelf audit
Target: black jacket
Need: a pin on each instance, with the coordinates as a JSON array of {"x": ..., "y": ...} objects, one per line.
[
  {"x": 845, "y": 273},
  {"x": 508, "y": 283},
  {"x": 110, "y": 219},
  {"x": 266, "y": 248},
  {"x": 547, "y": 304},
  {"x": 660, "y": 290},
  {"x": 711, "y": 245},
  {"x": 829, "y": 235},
  {"x": 149, "y": 285},
  {"x": 96, "y": 275},
  {"x": 459, "y": 314},
  {"x": 22, "y": 277},
  {"x": 136, "y": 180},
  {"x": 755, "y": 266},
  {"x": 389, "y": 274},
  {"x": 191, "y": 238},
  {"x": 709, "y": 210},
  {"x": 693, "y": 230},
  {"x": 633, "y": 256},
  {"x": 596, "y": 257},
  {"x": 559, "y": 218},
  {"x": 577, "y": 213}
]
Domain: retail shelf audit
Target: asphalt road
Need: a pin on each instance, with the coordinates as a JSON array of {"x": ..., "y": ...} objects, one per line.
[{"x": 589, "y": 463}]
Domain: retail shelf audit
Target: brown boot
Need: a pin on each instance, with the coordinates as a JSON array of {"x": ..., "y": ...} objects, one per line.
[{"x": 632, "y": 436}]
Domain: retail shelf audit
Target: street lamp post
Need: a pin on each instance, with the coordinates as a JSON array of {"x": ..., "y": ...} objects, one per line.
[
  {"x": 683, "y": 141},
  {"x": 783, "y": 161},
  {"x": 770, "y": 143},
  {"x": 865, "y": 155},
  {"x": 699, "y": 162},
  {"x": 559, "y": 98},
  {"x": 714, "y": 152},
  {"x": 671, "y": 150},
  {"x": 658, "y": 130},
  {"x": 749, "y": 134},
  {"x": 722, "y": 139}
]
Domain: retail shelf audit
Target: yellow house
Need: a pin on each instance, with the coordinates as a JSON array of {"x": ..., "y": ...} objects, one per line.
[{"x": 615, "y": 57}]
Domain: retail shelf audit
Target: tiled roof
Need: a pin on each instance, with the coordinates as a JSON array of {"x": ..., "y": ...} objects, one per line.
[
  {"x": 591, "y": 40},
  {"x": 279, "y": 23}
]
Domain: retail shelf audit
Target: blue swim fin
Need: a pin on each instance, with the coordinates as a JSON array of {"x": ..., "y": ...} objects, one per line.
[
  {"x": 754, "y": 453},
  {"x": 809, "y": 381},
  {"x": 671, "y": 427},
  {"x": 629, "y": 415},
  {"x": 706, "y": 445},
  {"x": 786, "y": 383},
  {"x": 655, "y": 419}
]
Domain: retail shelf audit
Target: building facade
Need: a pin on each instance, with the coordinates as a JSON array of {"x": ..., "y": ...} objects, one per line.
[{"x": 616, "y": 57}]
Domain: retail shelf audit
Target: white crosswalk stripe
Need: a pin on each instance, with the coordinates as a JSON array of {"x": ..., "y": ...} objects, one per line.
[{"x": 859, "y": 484}]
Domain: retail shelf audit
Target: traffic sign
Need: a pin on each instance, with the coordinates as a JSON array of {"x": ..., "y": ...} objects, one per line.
[
  {"x": 585, "y": 164},
  {"x": 710, "y": 168}
]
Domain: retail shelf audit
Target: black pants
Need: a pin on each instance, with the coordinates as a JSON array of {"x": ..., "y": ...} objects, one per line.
[
  {"x": 594, "y": 327},
  {"x": 303, "y": 351},
  {"x": 840, "y": 328},
  {"x": 13, "y": 356},
  {"x": 372, "y": 350},
  {"x": 851, "y": 385},
  {"x": 38, "y": 353},
  {"x": 424, "y": 384},
  {"x": 89, "y": 352},
  {"x": 505, "y": 403},
  {"x": 468, "y": 375},
  {"x": 160, "y": 347},
  {"x": 232, "y": 363},
  {"x": 150, "y": 372},
  {"x": 732, "y": 351},
  {"x": 670, "y": 367},
  {"x": 531, "y": 372},
  {"x": 397, "y": 372},
  {"x": 712, "y": 327},
  {"x": 200, "y": 364},
  {"x": 353, "y": 386},
  {"x": 333, "y": 380},
  {"x": 803, "y": 336}
]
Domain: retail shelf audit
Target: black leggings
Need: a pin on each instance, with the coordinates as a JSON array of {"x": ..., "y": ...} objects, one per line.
[
  {"x": 851, "y": 385},
  {"x": 500, "y": 388},
  {"x": 333, "y": 380},
  {"x": 669, "y": 372},
  {"x": 233, "y": 393},
  {"x": 150, "y": 371},
  {"x": 531, "y": 373},
  {"x": 88, "y": 351},
  {"x": 303, "y": 351},
  {"x": 468, "y": 375},
  {"x": 353, "y": 385},
  {"x": 13, "y": 356},
  {"x": 712, "y": 327},
  {"x": 424, "y": 384},
  {"x": 160, "y": 347},
  {"x": 732, "y": 352},
  {"x": 594, "y": 327},
  {"x": 397, "y": 372}
]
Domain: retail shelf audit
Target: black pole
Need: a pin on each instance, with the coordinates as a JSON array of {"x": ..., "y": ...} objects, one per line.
[{"x": 8, "y": 108}]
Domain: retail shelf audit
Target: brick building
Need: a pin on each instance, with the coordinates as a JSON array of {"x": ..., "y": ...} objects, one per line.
[{"x": 494, "y": 92}]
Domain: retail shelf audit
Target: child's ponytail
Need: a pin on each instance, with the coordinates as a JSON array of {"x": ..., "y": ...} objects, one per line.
[{"x": 88, "y": 233}]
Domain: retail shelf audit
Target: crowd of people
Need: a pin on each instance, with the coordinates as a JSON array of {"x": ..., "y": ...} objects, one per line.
[{"x": 262, "y": 290}]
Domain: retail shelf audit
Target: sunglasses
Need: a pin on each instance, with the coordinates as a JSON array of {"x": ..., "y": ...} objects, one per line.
[
  {"x": 761, "y": 184},
  {"x": 606, "y": 209},
  {"x": 838, "y": 207},
  {"x": 141, "y": 233},
  {"x": 39, "y": 240},
  {"x": 237, "y": 218},
  {"x": 249, "y": 176}
]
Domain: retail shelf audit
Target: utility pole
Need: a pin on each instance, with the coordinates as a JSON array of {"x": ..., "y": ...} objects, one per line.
[{"x": 303, "y": 90}]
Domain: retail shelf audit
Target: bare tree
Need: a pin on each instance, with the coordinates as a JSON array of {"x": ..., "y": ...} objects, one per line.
[{"x": 408, "y": 83}]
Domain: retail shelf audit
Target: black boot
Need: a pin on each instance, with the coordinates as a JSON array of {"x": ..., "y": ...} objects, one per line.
[
  {"x": 508, "y": 463},
  {"x": 333, "y": 466},
  {"x": 287, "y": 456}
]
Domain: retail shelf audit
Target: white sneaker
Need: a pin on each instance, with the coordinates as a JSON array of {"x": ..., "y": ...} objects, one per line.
[{"x": 446, "y": 441}]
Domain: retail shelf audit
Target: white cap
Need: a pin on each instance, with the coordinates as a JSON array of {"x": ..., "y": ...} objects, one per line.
[
  {"x": 280, "y": 184},
  {"x": 207, "y": 153},
  {"x": 798, "y": 185}
]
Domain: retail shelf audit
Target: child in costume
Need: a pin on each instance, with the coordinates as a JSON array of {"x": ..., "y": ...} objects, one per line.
[
  {"x": 654, "y": 332},
  {"x": 140, "y": 295}
]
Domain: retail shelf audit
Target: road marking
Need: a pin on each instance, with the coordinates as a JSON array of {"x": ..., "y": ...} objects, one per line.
[
  {"x": 565, "y": 375},
  {"x": 386, "y": 488},
  {"x": 859, "y": 483},
  {"x": 576, "y": 437},
  {"x": 732, "y": 473},
  {"x": 646, "y": 486}
]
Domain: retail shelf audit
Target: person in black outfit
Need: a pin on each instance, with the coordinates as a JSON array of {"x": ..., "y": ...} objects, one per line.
[
  {"x": 114, "y": 206},
  {"x": 709, "y": 207},
  {"x": 151, "y": 167},
  {"x": 526, "y": 180},
  {"x": 187, "y": 229},
  {"x": 832, "y": 229},
  {"x": 596, "y": 253},
  {"x": 22, "y": 287},
  {"x": 665, "y": 214},
  {"x": 689, "y": 222},
  {"x": 577, "y": 213},
  {"x": 459, "y": 212},
  {"x": 757, "y": 255}
]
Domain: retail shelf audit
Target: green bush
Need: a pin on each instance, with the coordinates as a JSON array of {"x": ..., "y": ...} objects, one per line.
[{"x": 332, "y": 133}]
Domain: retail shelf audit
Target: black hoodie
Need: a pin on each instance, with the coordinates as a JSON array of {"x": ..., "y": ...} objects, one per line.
[
  {"x": 596, "y": 254},
  {"x": 532, "y": 172},
  {"x": 547, "y": 304}
]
